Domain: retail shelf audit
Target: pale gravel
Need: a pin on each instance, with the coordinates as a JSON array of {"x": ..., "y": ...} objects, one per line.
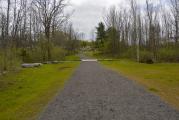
[{"x": 95, "y": 93}]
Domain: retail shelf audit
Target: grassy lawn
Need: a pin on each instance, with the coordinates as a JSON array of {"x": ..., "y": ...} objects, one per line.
[
  {"x": 24, "y": 94},
  {"x": 161, "y": 79}
]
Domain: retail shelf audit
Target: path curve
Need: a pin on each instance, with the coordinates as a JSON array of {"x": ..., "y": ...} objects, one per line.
[{"x": 95, "y": 93}]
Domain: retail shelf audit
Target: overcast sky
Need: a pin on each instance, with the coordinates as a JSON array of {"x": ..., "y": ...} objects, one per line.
[{"x": 88, "y": 13}]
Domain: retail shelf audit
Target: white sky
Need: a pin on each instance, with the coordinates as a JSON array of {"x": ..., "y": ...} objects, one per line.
[{"x": 88, "y": 13}]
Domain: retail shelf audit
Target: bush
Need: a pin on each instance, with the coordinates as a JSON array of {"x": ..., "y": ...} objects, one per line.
[
  {"x": 168, "y": 55},
  {"x": 9, "y": 59},
  {"x": 146, "y": 57},
  {"x": 58, "y": 53},
  {"x": 40, "y": 55},
  {"x": 129, "y": 53},
  {"x": 31, "y": 55},
  {"x": 150, "y": 61}
]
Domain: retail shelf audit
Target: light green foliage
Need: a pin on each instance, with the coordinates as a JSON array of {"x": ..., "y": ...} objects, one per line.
[
  {"x": 24, "y": 94},
  {"x": 161, "y": 78}
]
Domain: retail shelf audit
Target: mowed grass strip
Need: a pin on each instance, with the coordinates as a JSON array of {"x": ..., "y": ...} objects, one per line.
[
  {"x": 161, "y": 79},
  {"x": 24, "y": 95}
]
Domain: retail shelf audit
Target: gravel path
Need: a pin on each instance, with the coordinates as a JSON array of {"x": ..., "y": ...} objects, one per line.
[{"x": 95, "y": 93}]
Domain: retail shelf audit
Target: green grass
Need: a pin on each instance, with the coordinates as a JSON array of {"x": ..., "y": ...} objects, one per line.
[
  {"x": 161, "y": 79},
  {"x": 24, "y": 94}
]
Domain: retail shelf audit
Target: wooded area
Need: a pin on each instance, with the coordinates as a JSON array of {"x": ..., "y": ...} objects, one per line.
[
  {"x": 39, "y": 31},
  {"x": 147, "y": 33},
  {"x": 35, "y": 31}
]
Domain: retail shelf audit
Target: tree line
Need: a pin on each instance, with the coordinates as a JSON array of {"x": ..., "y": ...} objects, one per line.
[
  {"x": 35, "y": 31},
  {"x": 146, "y": 33}
]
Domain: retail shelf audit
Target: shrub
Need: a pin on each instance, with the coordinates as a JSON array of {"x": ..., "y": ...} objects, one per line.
[
  {"x": 38, "y": 54},
  {"x": 128, "y": 53},
  {"x": 9, "y": 59},
  {"x": 168, "y": 55},
  {"x": 146, "y": 57},
  {"x": 58, "y": 53},
  {"x": 31, "y": 55}
]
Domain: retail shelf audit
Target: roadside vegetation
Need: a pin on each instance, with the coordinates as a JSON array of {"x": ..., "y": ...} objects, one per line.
[
  {"x": 146, "y": 34},
  {"x": 160, "y": 78},
  {"x": 25, "y": 93},
  {"x": 144, "y": 42},
  {"x": 39, "y": 31},
  {"x": 35, "y": 31}
]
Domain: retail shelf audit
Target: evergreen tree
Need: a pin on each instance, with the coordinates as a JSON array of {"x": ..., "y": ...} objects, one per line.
[{"x": 101, "y": 34}]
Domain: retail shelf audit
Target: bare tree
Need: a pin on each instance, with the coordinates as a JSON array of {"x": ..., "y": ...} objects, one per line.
[
  {"x": 135, "y": 23},
  {"x": 153, "y": 27},
  {"x": 175, "y": 13},
  {"x": 8, "y": 15},
  {"x": 47, "y": 11}
]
